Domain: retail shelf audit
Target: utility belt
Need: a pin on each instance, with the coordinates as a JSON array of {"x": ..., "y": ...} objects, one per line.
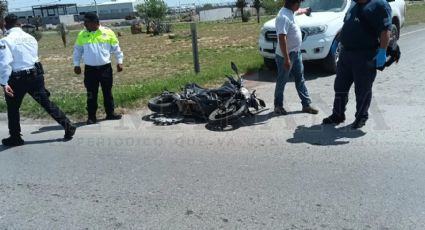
[
  {"x": 357, "y": 49},
  {"x": 98, "y": 67},
  {"x": 28, "y": 73}
]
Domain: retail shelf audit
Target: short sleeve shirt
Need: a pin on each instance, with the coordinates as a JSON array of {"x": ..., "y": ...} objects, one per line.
[
  {"x": 286, "y": 24},
  {"x": 362, "y": 35}
]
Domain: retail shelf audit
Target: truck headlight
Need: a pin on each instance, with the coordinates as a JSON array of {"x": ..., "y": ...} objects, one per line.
[{"x": 312, "y": 30}]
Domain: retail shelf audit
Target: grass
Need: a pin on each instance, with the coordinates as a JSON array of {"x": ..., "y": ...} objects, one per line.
[
  {"x": 415, "y": 13},
  {"x": 153, "y": 64}
]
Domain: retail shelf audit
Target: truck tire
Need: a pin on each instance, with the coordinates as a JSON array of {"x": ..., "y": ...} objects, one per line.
[
  {"x": 270, "y": 64},
  {"x": 331, "y": 60}
]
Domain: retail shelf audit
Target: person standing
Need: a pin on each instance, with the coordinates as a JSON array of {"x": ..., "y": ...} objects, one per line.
[
  {"x": 21, "y": 73},
  {"x": 365, "y": 37},
  {"x": 95, "y": 45},
  {"x": 288, "y": 57}
]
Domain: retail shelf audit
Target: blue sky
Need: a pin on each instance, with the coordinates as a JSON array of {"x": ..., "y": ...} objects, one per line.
[{"x": 16, "y": 5}]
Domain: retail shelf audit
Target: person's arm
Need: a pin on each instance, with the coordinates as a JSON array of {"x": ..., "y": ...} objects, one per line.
[
  {"x": 116, "y": 50},
  {"x": 6, "y": 59},
  {"x": 384, "y": 39},
  {"x": 78, "y": 53},
  {"x": 306, "y": 11},
  {"x": 384, "y": 13},
  {"x": 282, "y": 27},
  {"x": 283, "y": 46}
]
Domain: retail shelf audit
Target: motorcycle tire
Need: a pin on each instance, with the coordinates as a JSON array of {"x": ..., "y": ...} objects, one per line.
[
  {"x": 218, "y": 116},
  {"x": 164, "y": 104}
]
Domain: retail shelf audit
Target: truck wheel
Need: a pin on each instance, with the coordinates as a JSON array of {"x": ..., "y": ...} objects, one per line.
[
  {"x": 331, "y": 60},
  {"x": 394, "y": 35},
  {"x": 270, "y": 63}
]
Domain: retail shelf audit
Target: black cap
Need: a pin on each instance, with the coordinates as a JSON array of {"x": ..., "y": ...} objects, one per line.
[{"x": 91, "y": 17}]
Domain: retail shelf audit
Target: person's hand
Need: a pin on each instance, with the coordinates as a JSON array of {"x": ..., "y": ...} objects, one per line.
[
  {"x": 8, "y": 90},
  {"x": 307, "y": 11},
  {"x": 287, "y": 64},
  {"x": 77, "y": 70},
  {"x": 119, "y": 67},
  {"x": 381, "y": 57}
]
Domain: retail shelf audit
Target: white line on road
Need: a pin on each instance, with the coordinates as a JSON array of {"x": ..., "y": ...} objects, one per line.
[{"x": 412, "y": 32}]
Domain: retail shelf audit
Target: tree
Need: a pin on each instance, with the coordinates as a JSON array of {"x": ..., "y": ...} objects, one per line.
[
  {"x": 240, "y": 4},
  {"x": 207, "y": 6},
  {"x": 257, "y": 5},
  {"x": 272, "y": 6},
  {"x": 152, "y": 10},
  {"x": 3, "y": 10}
]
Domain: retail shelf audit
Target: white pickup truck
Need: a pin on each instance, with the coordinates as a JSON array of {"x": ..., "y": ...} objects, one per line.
[{"x": 320, "y": 29}]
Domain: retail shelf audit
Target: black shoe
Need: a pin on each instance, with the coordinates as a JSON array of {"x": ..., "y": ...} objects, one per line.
[
  {"x": 358, "y": 123},
  {"x": 69, "y": 132},
  {"x": 279, "y": 110},
  {"x": 113, "y": 116},
  {"x": 333, "y": 119},
  {"x": 13, "y": 141},
  {"x": 91, "y": 121}
]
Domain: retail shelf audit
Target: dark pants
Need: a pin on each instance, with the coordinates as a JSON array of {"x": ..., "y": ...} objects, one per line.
[
  {"x": 354, "y": 67},
  {"x": 93, "y": 76},
  {"x": 34, "y": 85}
]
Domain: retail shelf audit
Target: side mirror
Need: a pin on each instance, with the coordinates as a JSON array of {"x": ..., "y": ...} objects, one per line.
[{"x": 235, "y": 68}]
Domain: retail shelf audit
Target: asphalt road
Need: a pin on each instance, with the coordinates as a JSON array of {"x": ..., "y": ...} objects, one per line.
[{"x": 267, "y": 172}]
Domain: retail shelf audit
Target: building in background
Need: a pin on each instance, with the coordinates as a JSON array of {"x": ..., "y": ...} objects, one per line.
[{"x": 71, "y": 13}]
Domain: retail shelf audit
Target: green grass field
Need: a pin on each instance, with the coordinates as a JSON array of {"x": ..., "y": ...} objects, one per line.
[{"x": 153, "y": 64}]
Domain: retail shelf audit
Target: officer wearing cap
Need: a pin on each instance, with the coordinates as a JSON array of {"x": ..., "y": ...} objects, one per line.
[
  {"x": 95, "y": 45},
  {"x": 21, "y": 73},
  {"x": 365, "y": 37}
]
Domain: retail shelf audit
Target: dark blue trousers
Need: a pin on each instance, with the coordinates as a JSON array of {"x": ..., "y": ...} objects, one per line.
[
  {"x": 354, "y": 67},
  {"x": 32, "y": 84},
  {"x": 93, "y": 77}
]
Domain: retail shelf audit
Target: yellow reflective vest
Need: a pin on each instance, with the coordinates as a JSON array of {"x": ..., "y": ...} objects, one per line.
[{"x": 96, "y": 47}]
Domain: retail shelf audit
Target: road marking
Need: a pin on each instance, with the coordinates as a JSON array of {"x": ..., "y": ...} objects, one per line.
[{"x": 412, "y": 32}]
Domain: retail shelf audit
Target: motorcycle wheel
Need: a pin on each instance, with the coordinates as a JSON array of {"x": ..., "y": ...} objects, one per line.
[
  {"x": 163, "y": 104},
  {"x": 223, "y": 116}
]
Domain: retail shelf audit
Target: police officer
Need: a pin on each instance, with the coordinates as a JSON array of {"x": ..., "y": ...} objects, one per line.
[
  {"x": 95, "y": 45},
  {"x": 21, "y": 73},
  {"x": 365, "y": 36}
]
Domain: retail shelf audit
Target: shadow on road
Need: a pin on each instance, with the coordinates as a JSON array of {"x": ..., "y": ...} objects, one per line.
[
  {"x": 58, "y": 127},
  {"x": 312, "y": 70},
  {"x": 324, "y": 135},
  {"x": 3, "y": 148},
  {"x": 249, "y": 120}
]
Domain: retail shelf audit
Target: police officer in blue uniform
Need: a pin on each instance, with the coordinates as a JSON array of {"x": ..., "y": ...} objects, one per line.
[
  {"x": 365, "y": 37},
  {"x": 21, "y": 73}
]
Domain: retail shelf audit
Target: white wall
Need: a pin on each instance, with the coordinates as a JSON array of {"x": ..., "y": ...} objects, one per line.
[{"x": 215, "y": 14}]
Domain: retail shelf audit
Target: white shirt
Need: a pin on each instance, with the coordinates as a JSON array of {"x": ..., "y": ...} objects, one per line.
[
  {"x": 285, "y": 24},
  {"x": 18, "y": 51},
  {"x": 96, "y": 47}
]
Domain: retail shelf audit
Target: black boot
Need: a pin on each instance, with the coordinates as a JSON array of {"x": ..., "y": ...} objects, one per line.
[
  {"x": 13, "y": 141},
  {"x": 334, "y": 119},
  {"x": 113, "y": 116},
  {"x": 69, "y": 131},
  {"x": 358, "y": 123},
  {"x": 91, "y": 120}
]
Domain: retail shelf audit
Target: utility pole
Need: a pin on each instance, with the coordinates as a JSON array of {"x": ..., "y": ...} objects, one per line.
[{"x": 97, "y": 10}]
